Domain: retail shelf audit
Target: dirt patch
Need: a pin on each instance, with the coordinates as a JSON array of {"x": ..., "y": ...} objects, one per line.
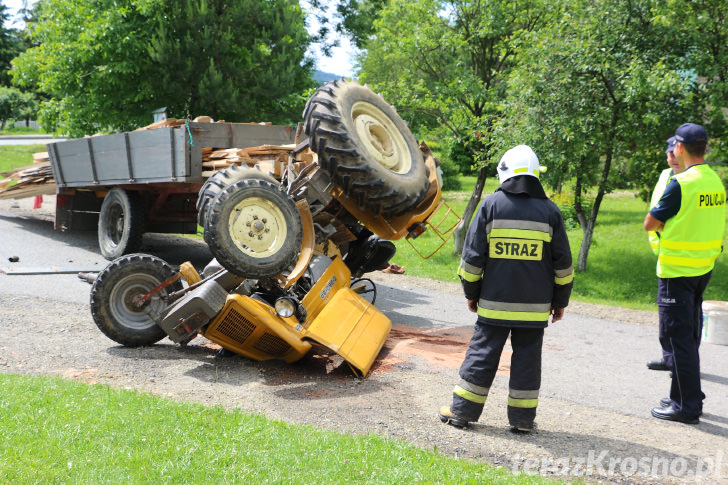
[{"x": 445, "y": 348}]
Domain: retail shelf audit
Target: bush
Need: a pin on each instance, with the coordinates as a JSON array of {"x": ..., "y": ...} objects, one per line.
[
  {"x": 722, "y": 172},
  {"x": 461, "y": 157},
  {"x": 565, "y": 201},
  {"x": 450, "y": 179}
]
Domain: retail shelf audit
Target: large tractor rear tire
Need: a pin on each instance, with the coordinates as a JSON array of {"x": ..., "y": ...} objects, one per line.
[
  {"x": 253, "y": 229},
  {"x": 121, "y": 223},
  {"x": 115, "y": 292},
  {"x": 221, "y": 179},
  {"x": 366, "y": 148}
]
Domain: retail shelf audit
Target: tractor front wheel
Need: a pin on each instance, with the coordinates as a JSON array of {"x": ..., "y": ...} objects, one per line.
[
  {"x": 253, "y": 229},
  {"x": 116, "y": 304}
]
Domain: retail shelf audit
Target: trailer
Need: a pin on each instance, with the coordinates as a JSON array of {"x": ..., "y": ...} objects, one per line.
[{"x": 148, "y": 180}]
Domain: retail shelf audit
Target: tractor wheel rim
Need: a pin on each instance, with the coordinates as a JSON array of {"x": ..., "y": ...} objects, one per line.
[
  {"x": 257, "y": 227},
  {"x": 381, "y": 138},
  {"x": 125, "y": 294}
]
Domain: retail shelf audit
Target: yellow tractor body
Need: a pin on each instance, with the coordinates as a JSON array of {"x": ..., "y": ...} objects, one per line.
[{"x": 337, "y": 318}]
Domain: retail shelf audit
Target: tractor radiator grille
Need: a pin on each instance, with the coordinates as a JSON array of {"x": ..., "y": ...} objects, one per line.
[
  {"x": 236, "y": 327},
  {"x": 272, "y": 344}
]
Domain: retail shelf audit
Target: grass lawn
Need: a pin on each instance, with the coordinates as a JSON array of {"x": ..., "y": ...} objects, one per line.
[
  {"x": 21, "y": 130},
  {"x": 60, "y": 431},
  {"x": 13, "y": 156},
  {"x": 620, "y": 266}
]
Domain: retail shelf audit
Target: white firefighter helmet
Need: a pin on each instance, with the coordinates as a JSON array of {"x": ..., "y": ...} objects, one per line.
[{"x": 519, "y": 160}]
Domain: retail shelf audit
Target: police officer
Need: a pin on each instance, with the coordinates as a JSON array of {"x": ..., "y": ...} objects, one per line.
[
  {"x": 691, "y": 219},
  {"x": 516, "y": 271},
  {"x": 653, "y": 236}
]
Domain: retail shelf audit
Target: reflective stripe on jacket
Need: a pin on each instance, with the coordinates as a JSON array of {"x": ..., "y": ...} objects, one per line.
[
  {"x": 516, "y": 260},
  {"x": 693, "y": 238}
]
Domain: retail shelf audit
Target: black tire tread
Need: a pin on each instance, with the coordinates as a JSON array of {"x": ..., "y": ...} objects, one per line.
[
  {"x": 223, "y": 248},
  {"x": 135, "y": 212},
  {"x": 325, "y": 125},
  {"x": 101, "y": 292},
  {"x": 221, "y": 179}
]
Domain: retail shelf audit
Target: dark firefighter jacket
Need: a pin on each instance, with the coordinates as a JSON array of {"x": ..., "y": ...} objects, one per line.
[{"x": 516, "y": 261}]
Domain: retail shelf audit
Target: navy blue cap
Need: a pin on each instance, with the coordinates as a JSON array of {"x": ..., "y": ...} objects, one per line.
[
  {"x": 691, "y": 134},
  {"x": 670, "y": 144}
]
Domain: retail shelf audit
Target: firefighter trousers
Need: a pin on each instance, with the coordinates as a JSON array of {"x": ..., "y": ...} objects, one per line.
[{"x": 481, "y": 364}]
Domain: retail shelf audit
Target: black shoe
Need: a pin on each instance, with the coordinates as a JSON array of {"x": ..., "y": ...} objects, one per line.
[
  {"x": 666, "y": 402},
  {"x": 657, "y": 365},
  {"x": 669, "y": 414}
]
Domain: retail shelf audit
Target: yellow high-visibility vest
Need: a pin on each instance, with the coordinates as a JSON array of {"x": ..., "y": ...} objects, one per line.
[
  {"x": 693, "y": 238},
  {"x": 652, "y": 236}
]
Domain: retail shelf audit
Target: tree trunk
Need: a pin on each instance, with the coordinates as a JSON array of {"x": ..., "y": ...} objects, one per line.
[
  {"x": 462, "y": 229},
  {"x": 587, "y": 226},
  {"x": 588, "y": 232}
]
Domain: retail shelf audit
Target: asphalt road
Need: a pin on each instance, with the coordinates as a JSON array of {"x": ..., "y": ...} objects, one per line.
[
  {"x": 593, "y": 367},
  {"x": 27, "y": 139}
]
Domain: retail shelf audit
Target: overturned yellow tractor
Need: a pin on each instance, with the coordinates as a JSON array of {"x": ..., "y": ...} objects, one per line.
[{"x": 291, "y": 241}]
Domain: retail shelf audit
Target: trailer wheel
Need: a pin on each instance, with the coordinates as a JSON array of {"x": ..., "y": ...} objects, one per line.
[
  {"x": 366, "y": 148},
  {"x": 115, "y": 291},
  {"x": 221, "y": 179},
  {"x": 253, "y": 229},
  {"x": 121, "y": 223}
]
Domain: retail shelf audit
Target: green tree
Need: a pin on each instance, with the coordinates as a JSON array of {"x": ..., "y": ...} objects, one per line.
[
  {"x": 448, "y": 62},
  {"x": 357, "y": 19},
  {"x": 27, "y": 108},
  {"x": 12, "y": 102},
  {"x": 597, "y": 92},
  {"x": 106, "y": 65},
  {"x": 232, "y": 60},
  {"x": 10, "y": 45},
  {"x": 702, "y": 33}
]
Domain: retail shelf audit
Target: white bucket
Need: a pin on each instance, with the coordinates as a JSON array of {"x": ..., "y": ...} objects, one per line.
[{"x": 715, "y": 322}]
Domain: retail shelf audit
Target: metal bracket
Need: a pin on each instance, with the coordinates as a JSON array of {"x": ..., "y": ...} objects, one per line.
[{"x": 443, "y": 234}]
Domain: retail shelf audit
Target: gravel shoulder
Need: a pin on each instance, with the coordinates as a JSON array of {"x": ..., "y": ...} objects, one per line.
[{"x": 577, "y": 438}]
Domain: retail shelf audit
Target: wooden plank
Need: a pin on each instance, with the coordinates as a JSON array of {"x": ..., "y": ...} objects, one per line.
[
  {"x": 229, "y": 153},
  {"x": 160, "y": 124},
  {"x": 40, "y": 157},
  {"x": 219, "y": 164},
  {"x": 28, "y": 191}
]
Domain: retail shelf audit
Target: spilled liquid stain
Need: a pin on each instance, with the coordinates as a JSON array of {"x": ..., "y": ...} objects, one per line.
[{"x": 442, "y": 347}]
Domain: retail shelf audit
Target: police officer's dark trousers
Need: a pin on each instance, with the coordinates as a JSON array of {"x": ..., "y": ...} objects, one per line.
[
  {"x": 481, "y": 364},
  {"x": 680, "y": 301}
]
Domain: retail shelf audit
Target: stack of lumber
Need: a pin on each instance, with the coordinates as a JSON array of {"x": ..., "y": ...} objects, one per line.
[
  {"x": 176, "y": 122},
  {"x": 28, "y": 181},
  {"x": 269, "y": 158},
  {"x": 160, "y": 124}
]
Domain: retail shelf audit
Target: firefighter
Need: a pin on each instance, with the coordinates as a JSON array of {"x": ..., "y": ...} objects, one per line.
[
  {"x": 516, "y": 272},
  {"x": 691, "y": 219},
  {"x": 653, "y": 236}
]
